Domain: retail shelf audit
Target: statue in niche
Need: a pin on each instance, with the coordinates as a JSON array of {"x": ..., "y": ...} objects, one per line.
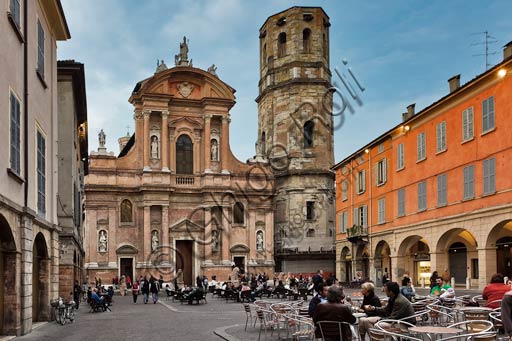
[
  {"x": 215, "y": 240},
  {"x": 102, "y": 243},
  {"x": 101, "y": 138},
  {"x": 214, "y": 151},
  {"x": 154, "y": 241},
  {"x": 154, "y": 147},
  {"x": 259, "y": 241}
]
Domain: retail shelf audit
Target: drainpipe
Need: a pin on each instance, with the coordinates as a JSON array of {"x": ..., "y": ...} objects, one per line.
[{"x": 25, "y": 101}]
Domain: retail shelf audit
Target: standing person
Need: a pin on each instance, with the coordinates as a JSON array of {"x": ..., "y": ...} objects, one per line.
[
  {"x": 144, "y": 287},
  {"x": 433, "y": 280},
  {"x": 161, "y": 281},
  {"x": 153, "y": 288},
  {"x": 128, "y": 281},
  {"x": 446, "y": 275},
  {"x": 385, "y": 277},
  {"x": 135, "y": 291},
  {"x": 122, "y": 286},
  {"x": 199, "y": 282},
  {"x": 77, "y": 290}
]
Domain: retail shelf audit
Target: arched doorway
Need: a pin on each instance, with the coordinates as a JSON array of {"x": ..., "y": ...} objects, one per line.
[
  {"x": 458, "y": 255},
  {"x": 504, "y": 256},
  {"x": 363, "y": 262},
  {"x": 382, "y": 260},
  {"x": 40, "y": 280},
  {"x": 346, "y": 265},
  {"x": 414, "y": 258},
  {"x": 8, "y": 287}
]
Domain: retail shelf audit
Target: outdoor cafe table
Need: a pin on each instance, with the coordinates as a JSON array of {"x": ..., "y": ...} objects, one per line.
[{"x": 434, "y": 330}]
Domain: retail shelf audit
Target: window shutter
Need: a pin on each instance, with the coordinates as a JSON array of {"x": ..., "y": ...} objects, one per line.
[
  {"x": 356, "y": 217},
  {"x": 465, "y": 125},
  {"x": 470, "y": 122},
  {"x": 490, "y": 119},
  {"x": 418, "y": 147},
  {"x": 365, "y": 212},
  {"x": 364, "y": 180},
  {"x": 465, "y": 183},
  {"x": 492, "y": 175},
  {"x": 345, "y": 221},
  {"x": 385, "y": 171},
  {"x": 376, "y": 171},
  {"x": 358, "y": 185},
  {"x": 485, "y": 115}
]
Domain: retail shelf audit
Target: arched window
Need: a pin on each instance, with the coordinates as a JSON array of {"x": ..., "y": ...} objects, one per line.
[
  {"x": 281, "y": 45},
  {"x": 184, "y": 155},
  {"x": 263, "y": 142},
  {"x": 238, "y": 213},
  {"x": 306, "y": 41},
  {"x": 308, "y": 134},
  {"x": 126, "y": 211},
  {"x": 264, "y": 55}
]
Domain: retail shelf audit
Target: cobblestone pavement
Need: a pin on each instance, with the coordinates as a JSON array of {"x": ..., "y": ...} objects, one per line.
[{"x": 165, "y": 320}]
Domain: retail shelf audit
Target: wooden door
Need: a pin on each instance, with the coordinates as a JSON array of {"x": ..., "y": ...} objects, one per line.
[{"x": 184, "y": 259}]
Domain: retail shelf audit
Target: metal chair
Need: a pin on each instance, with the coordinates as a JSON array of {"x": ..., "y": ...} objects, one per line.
[
  {"x": 334, "y": 329},
  {"x": 474, "y": 326}
]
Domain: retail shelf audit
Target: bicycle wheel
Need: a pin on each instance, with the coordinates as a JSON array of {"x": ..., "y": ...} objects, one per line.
[
  {"x": 71, "y": 313},
  {"x": 56, "y": 314},
  {"x": 62, "y": 316}
]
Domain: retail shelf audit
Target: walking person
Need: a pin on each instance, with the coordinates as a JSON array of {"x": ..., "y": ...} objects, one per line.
[
  {"x": 153, "y": 287},
  {"x": 144, "y": 286},
  {"x": 122, "y": 285},
  {"x": 77, "y": 290},
  {"x": 135, "y": 291}
]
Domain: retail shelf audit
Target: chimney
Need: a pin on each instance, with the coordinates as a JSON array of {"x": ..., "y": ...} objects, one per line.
[
  {"x": 405, "y": 117},
  {"x": 454, "y": 83},
  {"x": 507, "y": 51},
  {"x": 410, "y": 110}
]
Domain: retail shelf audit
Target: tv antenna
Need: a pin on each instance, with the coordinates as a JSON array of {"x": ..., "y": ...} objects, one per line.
[{"x": 488, "y": 40}]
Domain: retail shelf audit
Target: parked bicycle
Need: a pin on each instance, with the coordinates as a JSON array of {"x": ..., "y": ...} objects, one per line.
[{"x": 64, "y": 311}]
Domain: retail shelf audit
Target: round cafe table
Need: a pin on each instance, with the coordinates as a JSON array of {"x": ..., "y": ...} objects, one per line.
[{"x": 435, "y": 330}]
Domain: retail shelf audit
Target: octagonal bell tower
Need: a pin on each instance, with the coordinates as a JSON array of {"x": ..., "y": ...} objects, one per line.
[{"x": 295, "y": 133}]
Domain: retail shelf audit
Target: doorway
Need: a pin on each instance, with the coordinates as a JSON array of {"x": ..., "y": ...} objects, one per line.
[
  {"x": 126, "y": 267},
  {"x": 240, "y": 263},
  {"x": 504, "y": 256},
  {"x": 458, "y": 262},
  {"x": 40, "y": 280},
  {"x": 183, "y": 259}
]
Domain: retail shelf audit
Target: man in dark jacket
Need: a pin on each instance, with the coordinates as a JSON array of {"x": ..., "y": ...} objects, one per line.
[
  {"x": 144, "y": 288},
  {"x": 398, "y": 308},
  {"x": 321, "y": 295},
  {"x": 334, "y": 311}
]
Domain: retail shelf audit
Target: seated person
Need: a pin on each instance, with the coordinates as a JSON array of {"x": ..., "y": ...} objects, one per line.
[
  {"x": 447, "y": 292},
  {"x": 495, "y": 291},
  {"x": 334, "y": 310},
  {"x": 168, "y": 290},
  {"x": 369, "y": 297},
  {"x": 320, "y": 297},
  {"x": 407, "y": 288},
  {"x": 96, "y": 297},
  {"x": 244, "y": 288},
  {"x": 436, "y": 289},
  {"x": 398, "y": 307}
]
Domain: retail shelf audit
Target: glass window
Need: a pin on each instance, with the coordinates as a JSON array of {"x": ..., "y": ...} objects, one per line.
[
  {"x": 238, "y": 213},
  {"x": 184, "y": 155},
  {"x": 15, "y": 134},
  {"x": 41, "y": 174},
  {"x": 40, "y": 49}
]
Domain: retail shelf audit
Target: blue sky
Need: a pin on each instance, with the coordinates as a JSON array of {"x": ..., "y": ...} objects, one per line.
[{"x": 402, "y": 51}]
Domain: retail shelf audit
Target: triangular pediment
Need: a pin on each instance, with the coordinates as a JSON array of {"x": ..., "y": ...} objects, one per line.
[
  {"x": 241, "y": 248},
  {"x": 127, "y": 249},
  {"x": 187, "y": 121},
  {"x": 186, "y": 225}
]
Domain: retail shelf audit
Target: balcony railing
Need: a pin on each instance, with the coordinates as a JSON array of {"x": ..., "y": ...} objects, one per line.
[
  {"x": 184, "y": 180},
  {"x": 357, "y": 233}
]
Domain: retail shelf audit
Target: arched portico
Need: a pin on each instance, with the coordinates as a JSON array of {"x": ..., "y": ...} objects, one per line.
[
  {"x": 382, "y": 260},
  {"x": 414, "y": 258},
  {"x": 455, "y": 250},
  {"x": 40, "y": 280},
  {"x": 9, "y": 296},
  {"x": 362, "y": 263},
  {"x": 498, "y": 250},
  {"x": 346, "y": 265}
]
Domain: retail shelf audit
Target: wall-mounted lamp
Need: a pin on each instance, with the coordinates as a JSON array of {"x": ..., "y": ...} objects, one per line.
[
  {"x": 405, "y": 129},
  {"x": 502, "y": 73},
  {"x": 367, "y": 150}
]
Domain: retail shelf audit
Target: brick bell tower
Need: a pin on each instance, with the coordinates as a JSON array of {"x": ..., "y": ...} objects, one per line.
[{"x": 295, "y": 133}]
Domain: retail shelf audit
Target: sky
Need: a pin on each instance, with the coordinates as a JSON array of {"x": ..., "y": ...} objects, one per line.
[{"x": 401, "y": 51}]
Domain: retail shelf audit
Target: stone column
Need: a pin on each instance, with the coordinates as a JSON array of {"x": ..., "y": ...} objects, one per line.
[
  {"x": 486, "y": 265},
  {"x": 139, "y": 136},
  {"x": 147, "y": 234},
  {"x": 172, "y": 154},
  {"x": 165, "y": 234},
  {"x": 225, "y": 239},
  {"x": 146, "y": 114},
  {"x": 197, "y": 154},
  {"x": 207, "y": 140},
  {"x": 225, "y": 144},
  {"x": 208, "y": 245},
  {"x": 27, "y": 243},
  {"x": 165, "y": 141}
]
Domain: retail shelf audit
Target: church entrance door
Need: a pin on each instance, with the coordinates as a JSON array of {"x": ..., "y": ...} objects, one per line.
[
  {"x": 184, "y": 259},
  {"x": 126, "y": 267},
  {"x": 240, "y": 263}
]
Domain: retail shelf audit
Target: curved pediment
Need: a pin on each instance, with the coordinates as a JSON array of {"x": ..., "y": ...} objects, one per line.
[
  {"x": 127, "y": 249},
  {"x": 241, "y": 248},
  {"x": 184, "y": 82}
]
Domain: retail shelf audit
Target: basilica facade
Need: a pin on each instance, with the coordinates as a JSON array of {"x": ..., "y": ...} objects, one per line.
[{"x": 176, "y": 198}]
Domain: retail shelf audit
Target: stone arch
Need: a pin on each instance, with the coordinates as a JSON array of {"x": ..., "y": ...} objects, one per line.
[
  {"x": 308, "y": 131},
  {"x": 40, "y": 279},
  {"x": 454, "y": 250},
  {"x": 8, "y": 277},
  {"x": 499, "y": 249},
  {"x": 346, "y": 265},
  {"x": 413, "y": 256},
  {"x": 382, "y": 260}
]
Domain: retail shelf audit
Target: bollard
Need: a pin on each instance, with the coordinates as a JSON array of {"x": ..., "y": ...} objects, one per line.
[
  {"x": 452, "y": 282},
  {"x": 468, "y": 283},
  {"x": 422, "y": 282}
]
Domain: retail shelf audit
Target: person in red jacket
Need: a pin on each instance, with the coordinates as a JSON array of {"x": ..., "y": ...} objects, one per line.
[{"x": 495, "y": 291}]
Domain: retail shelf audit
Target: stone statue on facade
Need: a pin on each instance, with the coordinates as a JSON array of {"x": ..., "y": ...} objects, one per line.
[
  {"x": 101, "y": 138},
  {"x": 102, "y": 243},
  {"x": 160, "y": 66},
  {"x": 259, "y": 241},
  {"x": 212, "y": 69},
  {"x": 182, "y": 57},
  {"x": 154, "y": 241},
  {"x": 215, "y": 240},
  {"x": 214, "y": 151},
  {"x": 154, "y": 147}
]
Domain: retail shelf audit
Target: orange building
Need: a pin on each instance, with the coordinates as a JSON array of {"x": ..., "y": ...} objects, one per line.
[{"x": 434, "y": 192}]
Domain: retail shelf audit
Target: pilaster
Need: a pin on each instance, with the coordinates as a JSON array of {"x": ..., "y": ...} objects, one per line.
[
  {"x": 225, "y": 144},
  {"x": 146, "y": 115},
  {"x": 207, "y": 141},
  {"x": 165, "y": 141}
]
